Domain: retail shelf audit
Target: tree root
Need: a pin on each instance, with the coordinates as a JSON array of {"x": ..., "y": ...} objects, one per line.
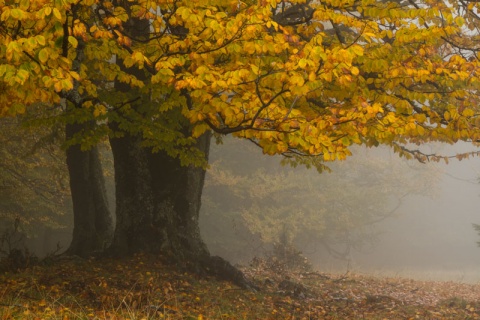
[{"x": 224, "y": 270}]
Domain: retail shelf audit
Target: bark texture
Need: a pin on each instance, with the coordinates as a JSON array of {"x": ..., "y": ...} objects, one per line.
[
  {"x": 93, "y": 226},
  {"x": 158, "y": 201}
]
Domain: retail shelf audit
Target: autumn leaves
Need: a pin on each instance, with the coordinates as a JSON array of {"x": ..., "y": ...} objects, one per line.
[{"x": 364, "y": 72}]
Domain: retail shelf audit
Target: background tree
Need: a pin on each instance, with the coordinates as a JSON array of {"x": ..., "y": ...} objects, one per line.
[
  {"x": 250, "y": 201},
  {"x": 35, "y": 198}
]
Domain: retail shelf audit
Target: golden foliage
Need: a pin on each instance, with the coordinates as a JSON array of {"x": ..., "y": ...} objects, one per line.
[{"x": 296, "y": 78}]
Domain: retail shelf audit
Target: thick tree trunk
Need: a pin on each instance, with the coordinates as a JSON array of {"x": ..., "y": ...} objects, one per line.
[
  {"x": 158, "y": 204},
  {"x": 158, "y": 201},
  {"x": 92, "y": 230},
  {"x": 93, "y": 226}
]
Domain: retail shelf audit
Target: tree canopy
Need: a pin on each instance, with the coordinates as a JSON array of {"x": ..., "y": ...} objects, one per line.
[{"x": 298, "y": 78}]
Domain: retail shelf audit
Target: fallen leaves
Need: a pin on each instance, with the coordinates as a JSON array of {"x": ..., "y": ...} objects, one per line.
[{"x": 145, "y": 287}]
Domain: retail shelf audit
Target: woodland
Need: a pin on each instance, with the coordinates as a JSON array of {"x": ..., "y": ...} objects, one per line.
[{"x": 143, "y": 88}]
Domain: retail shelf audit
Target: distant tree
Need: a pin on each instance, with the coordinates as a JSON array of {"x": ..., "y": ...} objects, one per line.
[
  {"x": 33, "y": 178},
  {"x": 252, "y": 202},
  {"x": 477, "y": 228}
]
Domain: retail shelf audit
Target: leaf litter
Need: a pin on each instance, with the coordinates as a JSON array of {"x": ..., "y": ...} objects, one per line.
[{"x": 149, "y": 287}]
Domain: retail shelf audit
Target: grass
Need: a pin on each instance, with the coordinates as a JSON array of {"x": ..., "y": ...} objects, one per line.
[{"x": 147, "y": 287}]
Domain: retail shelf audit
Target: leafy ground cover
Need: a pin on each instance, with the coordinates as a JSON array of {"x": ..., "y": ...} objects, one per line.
[{"x": 145, "y": 287}]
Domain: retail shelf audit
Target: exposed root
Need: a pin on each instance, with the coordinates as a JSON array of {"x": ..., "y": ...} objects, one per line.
[{"x": 224, "y": 270}]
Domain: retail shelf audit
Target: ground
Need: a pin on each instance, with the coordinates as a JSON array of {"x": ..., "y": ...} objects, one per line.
[{"x": 148, "y": 287}]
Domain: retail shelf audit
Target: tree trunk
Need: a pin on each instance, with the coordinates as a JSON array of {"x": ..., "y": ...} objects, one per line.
[
  {"x": 158, "y": 205},
  {"x": 158, "y": 201},
  {"x": 92, "y": 230},
  {"x": 93, "y": 227}
]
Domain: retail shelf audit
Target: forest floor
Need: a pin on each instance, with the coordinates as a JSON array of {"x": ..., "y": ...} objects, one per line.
[{"x": 145, "y": 287}]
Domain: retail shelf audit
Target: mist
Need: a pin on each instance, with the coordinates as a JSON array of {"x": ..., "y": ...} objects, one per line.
[
  {"x": 432, "y": 237},
  {"x": 426, "y": 234},
  {"x": 429, "y": 235}
]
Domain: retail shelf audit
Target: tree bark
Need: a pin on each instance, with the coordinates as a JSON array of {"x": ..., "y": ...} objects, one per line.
[
  {"x": 93, "y": 226},
  {"x": 158, "y": 205},
  {"x": 158, "y": 201}
]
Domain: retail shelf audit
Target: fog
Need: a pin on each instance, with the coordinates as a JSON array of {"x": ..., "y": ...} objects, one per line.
[
  {"x": 428, "y": 237},
  {"x": 433, "y": 238},
  {"x": 427, "y": 234}
]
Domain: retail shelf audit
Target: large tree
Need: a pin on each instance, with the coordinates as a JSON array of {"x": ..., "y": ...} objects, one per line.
[{"x": 303, "y": 79}]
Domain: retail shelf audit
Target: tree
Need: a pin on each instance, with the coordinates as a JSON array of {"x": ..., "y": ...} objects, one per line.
[
  {"x": 251, "y": 202},
  {"x": 34, "y": 197},
  {"x": 303, "y": 79}
]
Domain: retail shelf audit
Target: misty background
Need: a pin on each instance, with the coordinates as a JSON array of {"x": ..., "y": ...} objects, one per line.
[
  {"x": 429, "y": 234},
  {"x": 375, "y": 213}
]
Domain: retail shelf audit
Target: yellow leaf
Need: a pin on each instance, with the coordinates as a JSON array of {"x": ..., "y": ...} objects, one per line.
[
  {"x": 43, "y": 55},
  {"x": 47, "y": 81},
  {"x": 17, "y": 14},
  {"x": 57, "y": 14},
  {"x": 57, "y": 86},
  {"x": 420, "y": 130},
  {"x": 302, "y": 63},
  {"x": 24, "y": 4},
  {"x": 75, "y": 75},
  {"x": 468, "y": 112},
  {"x": 99, "y": 110},
  {"x": 297, "y": 80},
  {"x": 40, "y": 40},
  {"x": 5, "y": 14},
  {"x": 459, "y": 21},
  {"x": 66, "y": 84},
  {"x": 249, "y": 48},
  {"x": 255, "y": 69},
  {"x": 446, "y": 115},
  {"x": 137, "y": 56},
  {"x": 73, "y": 41},
  {"x": 22, "y": 76},
  {"x": 199, "y": 130}
]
